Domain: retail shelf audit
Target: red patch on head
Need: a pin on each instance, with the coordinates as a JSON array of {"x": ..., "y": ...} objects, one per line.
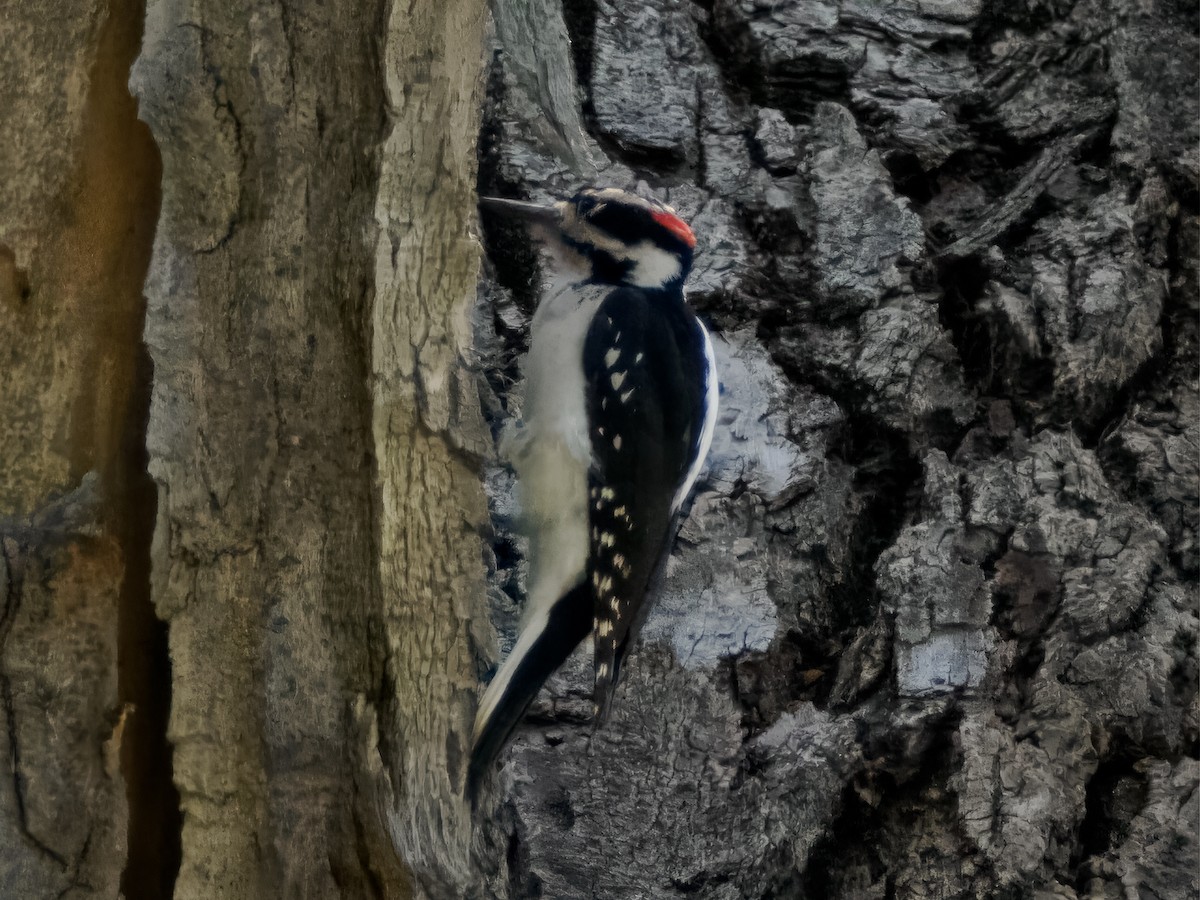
[{"x": 675, "y": 225}]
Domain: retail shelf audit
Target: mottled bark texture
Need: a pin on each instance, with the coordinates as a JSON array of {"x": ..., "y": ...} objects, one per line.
[
  {"x": 267, "y": 515},
  {"x": 930, "y": 628},
  {"x": 316, "y": 553}
]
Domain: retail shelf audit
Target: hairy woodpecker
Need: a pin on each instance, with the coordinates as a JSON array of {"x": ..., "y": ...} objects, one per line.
[{"x": 620, "y": 404}]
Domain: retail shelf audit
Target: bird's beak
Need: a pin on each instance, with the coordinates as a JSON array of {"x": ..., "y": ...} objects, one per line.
[{"x": 533, "y": 213}]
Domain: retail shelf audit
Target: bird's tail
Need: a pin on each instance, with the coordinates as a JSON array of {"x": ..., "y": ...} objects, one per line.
[
  {"x": 544, "y": 645},
  {"x": 608, "y": 673}
]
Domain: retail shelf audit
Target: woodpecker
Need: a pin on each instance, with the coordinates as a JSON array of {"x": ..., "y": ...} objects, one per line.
[{"x": 619, "y": 410}]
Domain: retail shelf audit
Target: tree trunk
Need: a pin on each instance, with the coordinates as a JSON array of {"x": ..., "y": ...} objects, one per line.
[
  {"x": 81, "y": 706},
  {"x": 315, "y": 555},
  {"x": 930, "y": 627},
  {"x": 314, "y": 547}
]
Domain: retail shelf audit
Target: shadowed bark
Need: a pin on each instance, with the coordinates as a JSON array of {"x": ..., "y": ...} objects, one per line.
[{"x": 930, "y": 629}]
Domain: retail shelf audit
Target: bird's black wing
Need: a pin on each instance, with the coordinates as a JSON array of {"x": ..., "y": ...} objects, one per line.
[{"x": 646, "y": 372}]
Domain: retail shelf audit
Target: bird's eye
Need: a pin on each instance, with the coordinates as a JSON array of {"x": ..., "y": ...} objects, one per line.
[{"x": 584, "y": 203}]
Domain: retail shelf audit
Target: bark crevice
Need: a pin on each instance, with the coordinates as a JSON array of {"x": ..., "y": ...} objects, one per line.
[{"x": 121, "y": 155}]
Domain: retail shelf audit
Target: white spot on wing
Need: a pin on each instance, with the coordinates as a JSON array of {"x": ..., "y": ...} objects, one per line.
[
  {"x": 616, "y": 380},
  {"x": 611, "y": 357}
]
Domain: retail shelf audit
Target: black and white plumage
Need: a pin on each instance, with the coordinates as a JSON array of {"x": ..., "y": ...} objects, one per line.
[{"x": 620, "y": 404}]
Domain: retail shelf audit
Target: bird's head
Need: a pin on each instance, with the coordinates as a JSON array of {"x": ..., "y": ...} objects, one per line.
[{"x": 612, "y": 236}]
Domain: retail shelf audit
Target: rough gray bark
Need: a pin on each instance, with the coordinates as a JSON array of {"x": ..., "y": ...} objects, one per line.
[{"x": 930, "y": 629}]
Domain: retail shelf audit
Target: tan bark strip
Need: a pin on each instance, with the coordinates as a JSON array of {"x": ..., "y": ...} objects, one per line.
[
  {"x": 261, "y": 290},
  {"x": 431, "y": 498}
]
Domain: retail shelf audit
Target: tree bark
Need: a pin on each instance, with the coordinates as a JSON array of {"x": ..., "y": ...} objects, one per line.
[
  {"x": 314, "y": 495},
  {"x": 315, "y": 553},
  {"x": 77, "y": 209},
  {"x": 930, "y": 627}
]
